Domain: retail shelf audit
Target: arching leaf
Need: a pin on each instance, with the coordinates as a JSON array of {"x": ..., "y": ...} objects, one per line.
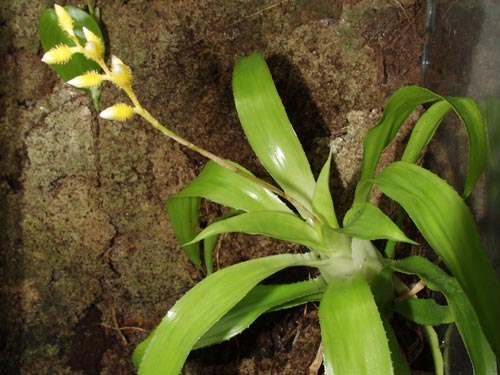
[
  {"x": 353, "y": 335},
  {"x": 268, "y": 128}
]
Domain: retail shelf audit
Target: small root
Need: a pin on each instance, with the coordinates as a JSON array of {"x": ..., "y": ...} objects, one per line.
[{"x": 116, "y": 328}]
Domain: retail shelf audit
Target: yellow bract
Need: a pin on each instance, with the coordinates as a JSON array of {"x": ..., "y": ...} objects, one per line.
[
  {"x": 59, "y": 54},
  {"x": 64, "y": 19},
  {"x": 87, "y": 80},
  {"x": 94, "y": 48},
  {"x": 120, "y": 112},
  {"x": 121, "y": 74}
]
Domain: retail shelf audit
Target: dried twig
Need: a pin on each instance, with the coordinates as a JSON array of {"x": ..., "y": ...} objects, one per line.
[{"x": 316, "y": 363}]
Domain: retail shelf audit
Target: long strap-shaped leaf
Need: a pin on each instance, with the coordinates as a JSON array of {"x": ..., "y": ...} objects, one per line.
[
  {"x": 259, "y": 300},
  {"x": 424, "y": 311},
  {"x": 275, "y": 224},
  {"x": 222, "y": 186},
  {"x": 424, "y": 130},
  {"x": 353, "y": 336},
  {"x": 230, "y": 189},
  {"x": 322, "y": 200},
  {"x": 446, "y": 223},
  {"x": 399, "y": 107},
  {"x": 398, "y": 359},
  {"x": 483, "y": 359},
  {"x": 268, "y": 129},
  {"x": 201, "y": 307},
  {"x": 184, "y": 213},
  {"x": 370, "y": 223}
]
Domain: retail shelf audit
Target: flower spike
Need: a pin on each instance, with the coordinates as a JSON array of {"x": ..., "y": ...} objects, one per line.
[
  {"x": 94, "y": 48},
  {"x": 87, "y": 80},
  {"x": 65, "y": 20},
  {"x": 121, "y": 74},
  {"x": 120, "y": 112},
  {"x": 59, "y": 54}
]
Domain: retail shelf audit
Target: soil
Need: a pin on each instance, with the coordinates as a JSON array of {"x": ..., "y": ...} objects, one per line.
[{"x": 88, "y": 257}]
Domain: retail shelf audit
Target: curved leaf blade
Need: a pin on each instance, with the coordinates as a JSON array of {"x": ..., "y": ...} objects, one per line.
[
  {"x": 432, "y": 339},
  {"x": 230, "y": 189},
  {"x": 370, "y": 223},
  {"x": 470, "y": 115},
  {"x": 259, "y": 300},
  {"x": 424, "y": 311},
  {"x": 466, "y": 320},
  {"x": 424, "y": 130},
  {"x": 399, "y": 107},
  {"x": 279, "y": 225},
  {"x": 322, "y": 199},
  {"x": 183, "y": 214},
  {"x": 398, "y": 359},
  {"x": 222, "y": 186},
  {"x": 268, "y": 129},
  {"x": 353, "y": 336},
  {"x": 200, "y": 308},
  {"x": 446, "y": 223}
]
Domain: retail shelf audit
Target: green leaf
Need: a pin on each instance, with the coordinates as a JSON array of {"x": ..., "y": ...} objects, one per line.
[
  {"x": 51, "y": 35},
  {"x": 370, "y": 223},
  {"x": 322, "y": 199},
  {"x": 353, "y": 336},
  {"x": 222, "y": 186},
  {"x": 490, "y": 109},
  {"x": 261, "y": 299},
  {"x": 230, "y": 189},
  {"x": 424, "y": 311},
  {"x": 209, "y": 243},
  {"x": 399, "y": 107},
  {"x": 269, "y": 132},
  {"x": 398, "y": 359},
  {"x": 337, "y": 242},
  {"x": 183, "y": 213},
  {"x": 466, "y": 320},
  {"x": 424, "y": 130},
  {"x": 433, "y": 341},
  {"x": 353, "y": 255},
  {"x": 447, "y": 225},
  {"x": 470, "y": 114},
  {"x": 280, "y": 225},
  {"x": 201, "y": 307},
  {"x": 208, "y": 249}
]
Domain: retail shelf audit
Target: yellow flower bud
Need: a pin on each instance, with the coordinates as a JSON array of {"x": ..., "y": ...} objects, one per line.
[
  {"x": 94, "y": 48},
  {"x": 65, "y": 20},
  {"x": 121, "y": 74},
  {"x": 59, "y": 54},
  {"x": 120, "y": 112},
  {"x": 87, "y": 80}
]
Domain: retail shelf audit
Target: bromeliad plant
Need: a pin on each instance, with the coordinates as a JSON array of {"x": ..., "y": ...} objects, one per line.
[{"x": 358, "y": 287}]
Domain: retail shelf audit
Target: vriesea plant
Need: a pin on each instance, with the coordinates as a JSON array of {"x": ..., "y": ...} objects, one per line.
[{"x": 358, "y": 287}]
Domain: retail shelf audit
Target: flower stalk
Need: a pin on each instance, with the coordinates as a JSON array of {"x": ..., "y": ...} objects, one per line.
[{"x": 121, "y": 75}]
